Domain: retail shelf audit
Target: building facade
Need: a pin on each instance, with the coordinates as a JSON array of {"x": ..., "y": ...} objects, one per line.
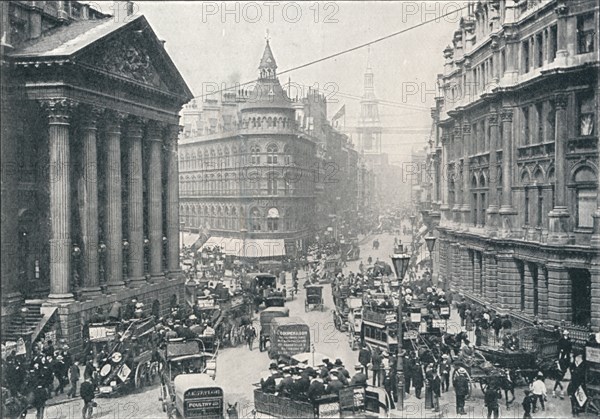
[
  {"x": 248, "y": 175},
  {"x": 516, "y": 160},
  {"x": 90, "y": 210}
]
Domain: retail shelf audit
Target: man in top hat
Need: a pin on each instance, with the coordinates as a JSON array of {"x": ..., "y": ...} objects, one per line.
[
  {"x": 445, "y": 367},
  {"x": 564, "y": 346},
  {"x": 328, "y": 364}
]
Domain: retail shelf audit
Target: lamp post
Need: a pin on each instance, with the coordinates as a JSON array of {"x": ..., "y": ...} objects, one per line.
[
  {"x": 244, "y": 233},
  {"x": 430, "y": 242},
  {"x": 400, "y": 260}
]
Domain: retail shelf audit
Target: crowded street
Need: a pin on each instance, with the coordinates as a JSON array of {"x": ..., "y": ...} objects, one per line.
[
  {"x": 350, "y": 209},
  {"x": 240, "y": 369}
]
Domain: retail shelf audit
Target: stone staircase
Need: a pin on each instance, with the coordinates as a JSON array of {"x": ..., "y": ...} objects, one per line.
[{"x": 19, "y": 326}]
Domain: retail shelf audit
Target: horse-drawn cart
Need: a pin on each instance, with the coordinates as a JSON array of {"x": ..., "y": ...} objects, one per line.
[{"x": 314, "y": 297}]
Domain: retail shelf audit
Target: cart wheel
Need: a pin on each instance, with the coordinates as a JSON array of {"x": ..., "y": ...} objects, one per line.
[{"x": 140, "y": 376}]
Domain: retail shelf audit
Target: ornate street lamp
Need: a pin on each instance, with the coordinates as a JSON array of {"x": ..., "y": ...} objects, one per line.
[
  {"x": 125, "y": 257},
  {"x": 400, "y": 260},
  {"x": 24, "y": 311}
]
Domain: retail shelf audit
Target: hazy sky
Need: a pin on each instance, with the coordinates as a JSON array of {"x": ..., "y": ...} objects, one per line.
[{"x": 214, "y": 42}]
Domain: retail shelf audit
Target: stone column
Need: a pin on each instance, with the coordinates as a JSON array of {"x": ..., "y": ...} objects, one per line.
[
  {"x": 466, "y": 192},
  {"x": 444, "y": 178},
  {"x": 558, "y": 218},
  {"x": 562, "y": 51},
  {"x": 477, "y": 273},
  {"x": 508, "y": 282},
  {"x": 465, "y": 269},
  {"x": 595, "y": 240},
  {"x": 89, "y": 210},
  {"x": 172, "y": 201},
  {"x": 506, "y": 209},
  {"x": 59, "y": 114},
  {"x": 155, "y": 137},
  {"x": 491, "y": 281},
  {"x": 458, "y": 192},
  {"x": 493, "y": 207},
  {"x": 135, "y": 227},
  {"x": 114, "y": 208},
  {"x": 529, "y": 291},
  {"x": 559, "y": 292},
  {"x": 442, "y": 271},
  {"x": 542, "y": 292},
  {"x": 452, "y": 273}
]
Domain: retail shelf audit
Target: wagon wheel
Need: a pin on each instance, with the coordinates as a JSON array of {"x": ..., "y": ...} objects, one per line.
[
  {"x": 164, "y": 394},
  {"x": 140, "y": 375},
  {"x": 152, "y": 373}
]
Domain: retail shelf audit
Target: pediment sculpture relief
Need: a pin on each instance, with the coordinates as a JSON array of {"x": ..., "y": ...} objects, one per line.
[{"x": 127, "y": 58}]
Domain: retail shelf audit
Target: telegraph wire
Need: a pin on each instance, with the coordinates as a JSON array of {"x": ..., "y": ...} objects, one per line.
[{"x": 337, "y": 54}]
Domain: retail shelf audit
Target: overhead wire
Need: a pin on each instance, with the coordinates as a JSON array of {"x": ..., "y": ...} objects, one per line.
[{"x": 346, "y": 51}]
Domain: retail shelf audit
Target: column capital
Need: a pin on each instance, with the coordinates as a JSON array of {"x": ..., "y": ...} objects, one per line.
[
  {"x": 135, "y": 126},
  {"x": 457, "y": 130},
  {"x": 154, "y": 130},
  {"x": 466, "y": 128},
  {"x": 114, "y": 120},
  {"x": 561, "y": 100},
  {"x": 90, "y": 115},
  {"x": 493, "y": 118},
  {"x": 58, "y": 110},
  {"x": 506, "y": 114}
]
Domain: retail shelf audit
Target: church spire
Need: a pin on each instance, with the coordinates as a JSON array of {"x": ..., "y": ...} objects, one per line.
[{"x": 267, "y": 66}]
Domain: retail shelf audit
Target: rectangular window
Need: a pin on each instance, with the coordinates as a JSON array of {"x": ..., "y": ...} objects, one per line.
[
  {"x": 525, "y": 56},
  {"x": 552, "y": 44},
  {"x": 539, "y": 108},
  {"x": 539, "y": 45},
  {"x": 550, "y": 122},
  {"x": 586, "y": 206},
  {"x": 586, "y": 114},
  {"x": 540, "y": 207},
  {"x": 525, "y": 125},
  {"x": 585, "y": 33},
  {"x": 526, "y": 207}
]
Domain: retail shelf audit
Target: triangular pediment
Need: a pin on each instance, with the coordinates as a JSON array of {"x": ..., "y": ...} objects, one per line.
[{"x": 134, "y": 53}]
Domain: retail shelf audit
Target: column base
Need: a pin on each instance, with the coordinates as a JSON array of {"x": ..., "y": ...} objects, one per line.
[
  {"x": 115, "y": 287},
  {"x": 89, "y": 293},
  {"x": 506, "y": 215},
  {"x": 174, "y": 274},
  {"x": 465, "y": 218},
  {"x": 137, "y": 282},
  {"x": 558, "y": 222},
  {"x": 154, "y": 278},
  {"x": 492, "y": 220},
  {"x": 57, "y": 299}
]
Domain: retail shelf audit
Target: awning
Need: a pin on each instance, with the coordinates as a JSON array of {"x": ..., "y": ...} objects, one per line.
[
  {"x": 213, "y": 241},
  {"x": 255, "y": 248},
  {"x": 188, "y": 239}
]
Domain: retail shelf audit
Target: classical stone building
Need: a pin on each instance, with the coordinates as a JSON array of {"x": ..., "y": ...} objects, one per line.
[
  {"x": 90, "y": 211},
  {"x": 248, "y": 174},
  {"x": 516, "y": 160}
]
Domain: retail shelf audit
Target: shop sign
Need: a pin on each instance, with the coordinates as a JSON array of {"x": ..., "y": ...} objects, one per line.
[{"x": 592, "y": 354}]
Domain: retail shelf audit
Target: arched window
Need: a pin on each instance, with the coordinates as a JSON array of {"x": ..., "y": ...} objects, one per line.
[
  {"x": 273, "y": 219},
  {"x": 255, "y": 154},
  {"x": 226, "y": 157},
  {"x": 271, "y": 184},
  {"x": 585, "y": 191},
  {"x": 272, "y": 151},
  {"x": 254, "y": 219}
]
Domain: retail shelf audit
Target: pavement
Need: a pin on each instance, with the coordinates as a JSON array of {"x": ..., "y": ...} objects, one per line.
[{"x": 238, "y": 368}]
